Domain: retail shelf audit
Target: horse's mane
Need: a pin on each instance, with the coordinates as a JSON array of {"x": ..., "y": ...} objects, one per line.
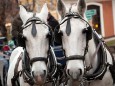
[{"x": 52, "y": 22}]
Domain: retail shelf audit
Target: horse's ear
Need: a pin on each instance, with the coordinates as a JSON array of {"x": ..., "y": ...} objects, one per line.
[
  {"x": 44, "y": 12},
  {"x": 81, "y": 7},
  {"x": 23, "y": 14},
  {"x": 61, "y": 8}
]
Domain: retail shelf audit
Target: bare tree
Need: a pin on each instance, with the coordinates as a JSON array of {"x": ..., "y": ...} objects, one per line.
[
  {"x": 2, "y": 17},
  {"x": 33, "y": 4},
  {"x": 8, "y": 9}
]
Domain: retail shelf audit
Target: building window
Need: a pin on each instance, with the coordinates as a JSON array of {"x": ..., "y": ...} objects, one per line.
[{"x": 93, "y": 15}]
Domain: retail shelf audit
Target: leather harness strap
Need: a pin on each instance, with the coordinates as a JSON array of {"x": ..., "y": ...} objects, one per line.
[
  {"x": 75, "y": 57},
  {"x": 93, "y": 57},
  {"x": 38, "y": 59},
  {"x": 14, "y": 80}
]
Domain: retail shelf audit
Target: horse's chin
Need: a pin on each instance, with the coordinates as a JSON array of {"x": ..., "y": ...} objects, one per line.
[{"x": 77, "y": 78}]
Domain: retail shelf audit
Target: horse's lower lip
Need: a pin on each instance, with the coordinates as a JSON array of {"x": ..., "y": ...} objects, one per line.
[{"x": 39, "y": 80}]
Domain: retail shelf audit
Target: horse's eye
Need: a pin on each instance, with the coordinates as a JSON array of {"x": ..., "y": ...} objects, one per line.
[{"x": 84, "y": 30}]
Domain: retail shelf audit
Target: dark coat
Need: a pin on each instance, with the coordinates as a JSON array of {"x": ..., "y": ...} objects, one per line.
[
  {"x": 52, "y": 22},
  {"x": 16, "y": 26},
  {"x": 16, "y": 31}
]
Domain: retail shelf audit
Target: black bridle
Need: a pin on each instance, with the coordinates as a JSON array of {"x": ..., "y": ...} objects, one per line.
[
  {"x": 34, "y": 31},
  {"x": 67, "y": 18},
  {"x": 100, "y": 46},
  {"x": 26, "y": 61}
]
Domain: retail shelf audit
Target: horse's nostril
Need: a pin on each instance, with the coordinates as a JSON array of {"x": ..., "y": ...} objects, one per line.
[
  {"x": 44, "y": 72},
  {"x": 33, "y": 74},
  {"x": 80, "y": 71},
  {"x": 68, "y": 72}
]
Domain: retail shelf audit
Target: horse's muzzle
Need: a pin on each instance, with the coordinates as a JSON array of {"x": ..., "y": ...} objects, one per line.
[
  {"x": 74, "y": 75},
  {"x": 39, "y": 79}
]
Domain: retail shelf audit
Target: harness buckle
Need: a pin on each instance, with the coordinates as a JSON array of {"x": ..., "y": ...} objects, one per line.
[{"x": 88, "y": 67}]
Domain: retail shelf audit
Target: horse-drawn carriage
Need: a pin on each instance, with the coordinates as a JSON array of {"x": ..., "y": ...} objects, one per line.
[{"x": 87, "y": 59}]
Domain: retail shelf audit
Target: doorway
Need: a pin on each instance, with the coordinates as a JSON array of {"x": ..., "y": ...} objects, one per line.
[{"x": 94, "y": 15}]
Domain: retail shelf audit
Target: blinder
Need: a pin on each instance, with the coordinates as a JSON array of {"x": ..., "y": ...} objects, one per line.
[
  {"x": 88, "y": 32},
  {"x": 21, "y": 40}
]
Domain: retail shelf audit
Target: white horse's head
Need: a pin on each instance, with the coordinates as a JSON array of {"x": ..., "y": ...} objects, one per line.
[
  {"x": 72, "y": 28},
  {"x": 35, "y": 33}
]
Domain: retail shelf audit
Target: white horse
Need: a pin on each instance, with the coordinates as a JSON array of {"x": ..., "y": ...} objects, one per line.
[
  {"x": 35, "y": 32},
  {"x": 80, "y": 44}
]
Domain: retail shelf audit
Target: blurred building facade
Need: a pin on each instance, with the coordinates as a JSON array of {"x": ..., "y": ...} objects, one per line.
[
  {"x": 36, "y": 5},
  {"x": 10, "y": 8},
  {"x": 101, "y": 15}
]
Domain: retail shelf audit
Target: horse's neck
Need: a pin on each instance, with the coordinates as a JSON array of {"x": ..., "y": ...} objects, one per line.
[
  {"x": 93, "y": 59},
  {"x": 90, "y": 58}
]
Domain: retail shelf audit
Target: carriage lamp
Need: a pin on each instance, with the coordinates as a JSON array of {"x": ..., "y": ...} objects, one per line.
[{"x": 96, "y": 25}]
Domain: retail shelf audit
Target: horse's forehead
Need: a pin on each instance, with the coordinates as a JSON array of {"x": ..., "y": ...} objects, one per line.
[
  {"x": 40, "y": 28},
  {"x": 76, "y": 25}
]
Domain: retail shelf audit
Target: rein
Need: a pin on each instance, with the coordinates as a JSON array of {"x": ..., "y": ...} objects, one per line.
[
  {"x": 93, "y": 57},
  {"x": 102, "y": 59}
]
